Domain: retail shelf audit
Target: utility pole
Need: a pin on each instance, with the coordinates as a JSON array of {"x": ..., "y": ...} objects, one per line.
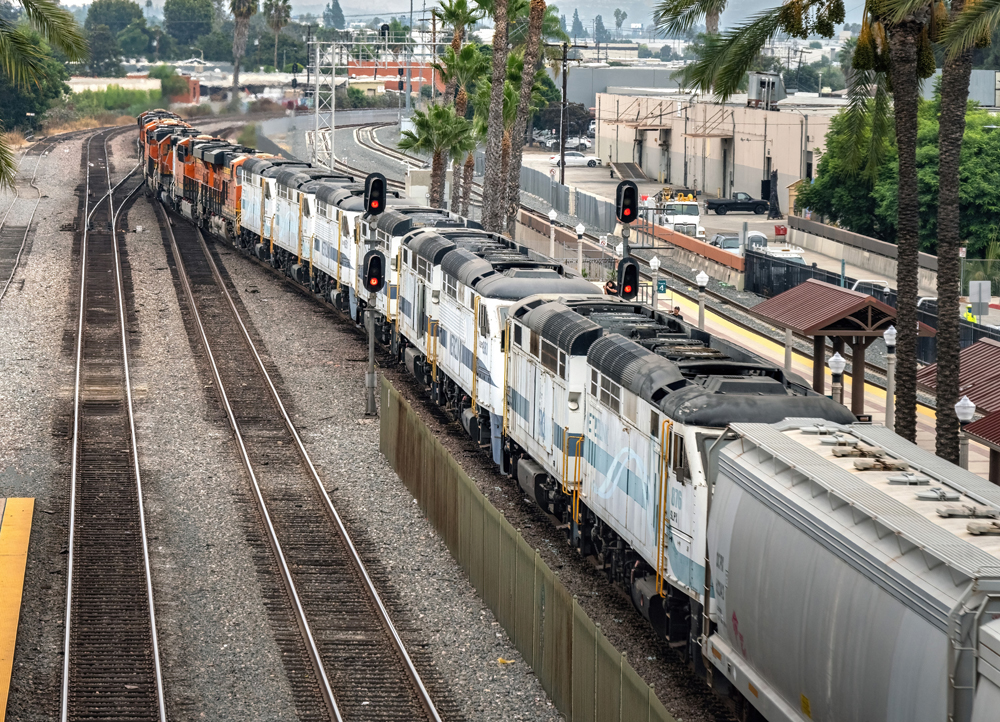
[
  {"x": 434, "y": 36},
  {"x": 409, "y": 64},
  {"x": 563, "y": 109}
]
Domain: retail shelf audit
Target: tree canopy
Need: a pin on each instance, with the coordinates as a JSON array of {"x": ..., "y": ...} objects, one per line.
[
  {"x": 188, "y": 20},
  {"x": 115, "y": 14},
  {"x": 839, "y": 194},
  {"x": 333, "y": 16}
]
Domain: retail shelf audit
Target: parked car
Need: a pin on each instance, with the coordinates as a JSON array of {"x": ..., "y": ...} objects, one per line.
[
  {"x": 730, "y": 242},
  {"x": 574, "y": 143},
  {"x": 739, "y": 202},
  {"x": 576, "y": 158},
  {"x": 592, "y": 129}
]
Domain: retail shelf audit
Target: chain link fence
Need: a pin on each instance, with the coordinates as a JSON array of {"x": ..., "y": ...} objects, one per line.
[
  {"x": 583, "y": 674},
  {"x": 767, "y": 276}
]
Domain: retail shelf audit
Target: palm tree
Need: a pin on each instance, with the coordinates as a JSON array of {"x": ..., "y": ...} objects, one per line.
[
  {"x": 493, "y": 202},
  {"x": 22, "y": 59},
  {"x": 895, "y": 47},
  {"x": 277, "y": 13},
  {"x": 478, "y": 135},
  {"x": 531, "y": 53},
  {"x": 951, "y": 128},
  {"x": 242, "y": 11},
  {"x": 459, "y": 15},
  {"x": 462, "y": 70},
  {"x": 674, "y": 17},
  {"x": 970, "y": 24},
  {"x": 441, "y": 133},
  {"x": 486, "y": 113}
]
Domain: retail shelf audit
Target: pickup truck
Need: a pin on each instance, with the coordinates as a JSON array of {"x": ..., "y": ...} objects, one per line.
[{"x": 739, "y": 202}]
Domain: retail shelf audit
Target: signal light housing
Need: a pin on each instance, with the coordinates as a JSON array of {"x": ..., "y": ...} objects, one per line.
[
  {"x": 375, "y": 194},
  {"x": 628, "y": 278},
  {"x": 627, "y": 202},
  {"x": 374, "y": 266}
]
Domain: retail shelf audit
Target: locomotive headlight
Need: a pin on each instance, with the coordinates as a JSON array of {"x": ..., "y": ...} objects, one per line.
[{"x": 574, "y": 401}]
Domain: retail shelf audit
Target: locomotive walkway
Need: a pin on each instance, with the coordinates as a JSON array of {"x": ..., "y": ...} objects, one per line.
[{"x": 802, "y": 365}]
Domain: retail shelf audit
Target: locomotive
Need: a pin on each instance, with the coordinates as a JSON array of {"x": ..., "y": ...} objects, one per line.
[{"x": 804, "y": 562}]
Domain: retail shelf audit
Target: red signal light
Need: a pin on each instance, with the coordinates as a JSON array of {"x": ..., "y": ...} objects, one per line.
[
  {"x": 628, "y": 288},
  {"x": 627, "y": 212},
  {"x": 373, "y": 282},
  {"x": 374, "y": 204}
]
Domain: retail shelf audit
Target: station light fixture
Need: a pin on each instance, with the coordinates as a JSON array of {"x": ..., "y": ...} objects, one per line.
[{"x": 965, "y": 410}]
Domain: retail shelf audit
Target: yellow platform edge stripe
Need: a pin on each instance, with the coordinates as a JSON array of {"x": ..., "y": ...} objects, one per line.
[{"x": 14, "y": 532}]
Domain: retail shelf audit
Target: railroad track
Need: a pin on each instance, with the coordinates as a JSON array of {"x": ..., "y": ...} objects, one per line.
[
  {"x": 345, "y": 658},
  {"x": 14, "y": 238},
  {"x": 111, "y": 665}
]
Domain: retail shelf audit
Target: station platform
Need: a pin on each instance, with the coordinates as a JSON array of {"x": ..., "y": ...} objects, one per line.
[
  {"x": 15, "y": 528},
  {"x": 979, "y": 458}
]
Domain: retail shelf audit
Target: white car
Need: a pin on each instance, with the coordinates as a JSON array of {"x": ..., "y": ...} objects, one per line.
[
  {"x": 575, "y": 158},
  {"x": 575, "y": 143}
]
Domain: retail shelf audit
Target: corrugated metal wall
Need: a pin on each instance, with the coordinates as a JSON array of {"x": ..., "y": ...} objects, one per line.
[{"x": 586, "y": 678}]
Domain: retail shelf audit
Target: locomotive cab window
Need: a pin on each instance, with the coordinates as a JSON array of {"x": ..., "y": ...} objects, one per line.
[
  {"x": 550, "y": 357},
  {"x": 517, "y": 335},
  {"x": 484, "y": 321},
  {"x": 533, "y": 343},
  {"x": 654, "y": 424},
  {"x": 611, "y": 394},
  {"x": 593, "y": 383},
  {"x": 679, "y": 462}
]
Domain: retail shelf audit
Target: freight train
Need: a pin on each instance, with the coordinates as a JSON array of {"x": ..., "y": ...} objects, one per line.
[{"x": 812, "y": 567}]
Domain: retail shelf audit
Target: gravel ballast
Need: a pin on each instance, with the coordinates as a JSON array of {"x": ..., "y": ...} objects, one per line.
[
  {"x": 321, "y": 360},
  {"x": 219, "y": 658},
  {"x": 37, "y": 333}
]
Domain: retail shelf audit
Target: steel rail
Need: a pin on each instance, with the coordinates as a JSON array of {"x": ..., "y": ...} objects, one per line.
[
  {"x": 31, "y": 218},
  {"x": 286, "y": 574},
  {"x": 120, "y": 282},
  {"x": 74, "y": 466},
  {"x": 422, "y": 693}
]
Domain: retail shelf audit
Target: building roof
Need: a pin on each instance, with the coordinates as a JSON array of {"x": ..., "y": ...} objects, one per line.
[
  {"x": 815, "y": 308},
  {"x": 986, "y": 430},
  {"x": 978, "y": 375}
]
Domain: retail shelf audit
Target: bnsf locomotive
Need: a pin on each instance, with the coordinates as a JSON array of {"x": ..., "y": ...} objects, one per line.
[{"x": 812, "y": 567}]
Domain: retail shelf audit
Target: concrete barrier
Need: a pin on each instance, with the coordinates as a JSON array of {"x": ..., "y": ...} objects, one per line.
[{"x": 871, "y": 254}]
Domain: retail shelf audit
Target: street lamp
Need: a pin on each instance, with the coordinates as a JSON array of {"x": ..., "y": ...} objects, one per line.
[
  {"x": 702, "y": 280},
  {"x": 654, "y": 264},
  {"x": 890, "y": 376},
  {"x": 579, "y": 246},
  {"x": 965, "y": 410},
  {"x": 552, "y": 232},
  {"x": 837, "y": 365}
]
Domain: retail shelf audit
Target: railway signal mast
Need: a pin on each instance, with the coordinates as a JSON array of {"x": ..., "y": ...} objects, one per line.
[{"x": 374, "y": 275}]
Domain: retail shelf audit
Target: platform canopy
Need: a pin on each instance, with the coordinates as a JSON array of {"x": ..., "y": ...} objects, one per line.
[
  {"x": 819, "y": 309},
  {"x": 978, "y": 375}
]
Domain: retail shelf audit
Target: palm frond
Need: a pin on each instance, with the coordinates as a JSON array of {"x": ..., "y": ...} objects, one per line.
[
  {"x": 974, "y": 22},
  {"x": 869, "y": 121},
  {"x": 673, "y": 17},
  {"x": 727, "y": 57},
  {"x": 8, "y": 166},
  {"x": 21, "y": 59},
  {"x": 57, "y": 26}
]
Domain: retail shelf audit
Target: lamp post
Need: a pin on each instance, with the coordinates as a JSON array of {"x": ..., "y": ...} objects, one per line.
[
  {"x": 552, "y": 233},
  {"x": 579, "y": 246},
  {"x": 890, "y": 377},
  {"x": 837, "y": 366},
  {"x": 654, "y": 264},
  {"x": 965, "y": 410},
  {"x": 702, "y": 280}
]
